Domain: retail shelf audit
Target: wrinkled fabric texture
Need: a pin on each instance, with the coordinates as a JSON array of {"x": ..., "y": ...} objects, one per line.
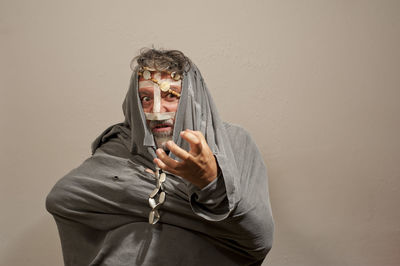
[{"x": 101, "y": 207}]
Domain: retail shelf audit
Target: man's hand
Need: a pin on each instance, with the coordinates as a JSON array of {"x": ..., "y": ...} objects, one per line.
[{"x": 198, "y": 166}]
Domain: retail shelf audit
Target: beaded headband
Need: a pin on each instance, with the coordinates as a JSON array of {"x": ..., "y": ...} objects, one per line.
[{"x": 164, "y": 86}]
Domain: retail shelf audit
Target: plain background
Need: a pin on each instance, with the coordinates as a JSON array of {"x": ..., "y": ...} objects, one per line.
[{"x": 316, "y": 83}]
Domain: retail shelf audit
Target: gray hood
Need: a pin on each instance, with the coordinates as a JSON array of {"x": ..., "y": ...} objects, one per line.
[
  {"x": 196, "y": 111},
  {"x": 101, "y": 207}
]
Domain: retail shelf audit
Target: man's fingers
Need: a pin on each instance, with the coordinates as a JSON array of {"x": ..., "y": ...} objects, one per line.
[
  {"x": 163, "y": 166},
  {"x": 197, "y": 133},
  {"x": 205, "y": 149},
  {"x": 200, "y": 136},
  {"x": 178, "y": 151},
  {"x": 194, "y": 141},
  {"x": 165, "y": 159},
  {"x": 148, "y": 170}
]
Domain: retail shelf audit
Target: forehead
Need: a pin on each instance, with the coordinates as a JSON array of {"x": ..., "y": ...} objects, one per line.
[{"x": 162, "y": 77}]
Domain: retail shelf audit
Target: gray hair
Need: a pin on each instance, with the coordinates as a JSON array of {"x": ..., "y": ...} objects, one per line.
[{"x": 162, "y": 60}]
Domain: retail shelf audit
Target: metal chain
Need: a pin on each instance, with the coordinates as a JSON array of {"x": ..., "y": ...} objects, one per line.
[{"x": 157, "y": 197}]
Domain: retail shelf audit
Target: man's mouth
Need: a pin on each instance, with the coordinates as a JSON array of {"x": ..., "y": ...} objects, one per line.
[{"x": 162, "y": 128}]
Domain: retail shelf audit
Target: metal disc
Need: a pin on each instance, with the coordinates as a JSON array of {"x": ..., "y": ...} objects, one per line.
[
  {"x": 152, "y": 203},
  {"x": 154, "y": 217},
  {"x": 154, "y": 193},
  {"x": 164, "y": 86},
  {"x": 151, "y": 217},
  {"x": 162, "y": 198},
  {"x": 159, "y": 184},
  {"x": 146, "y": 74},
  {"x": 163, "y": 176}
]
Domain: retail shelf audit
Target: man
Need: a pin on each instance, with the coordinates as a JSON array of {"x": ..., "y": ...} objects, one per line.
[{"x": 171, "y": 185}]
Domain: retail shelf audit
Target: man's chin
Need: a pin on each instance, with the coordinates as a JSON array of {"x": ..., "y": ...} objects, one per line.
[
  {"x": 162, "y": 141},
  {"x": 162, "y": 132},
  {"x": 167, "y": 132}
]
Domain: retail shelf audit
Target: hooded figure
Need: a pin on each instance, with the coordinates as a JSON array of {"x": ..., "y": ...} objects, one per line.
[{"x": 114, "y": 209}]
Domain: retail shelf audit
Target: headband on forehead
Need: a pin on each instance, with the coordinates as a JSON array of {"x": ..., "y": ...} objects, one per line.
[
  {"x": 164, "y": 86},
  {"x": 146, "y": 71}
]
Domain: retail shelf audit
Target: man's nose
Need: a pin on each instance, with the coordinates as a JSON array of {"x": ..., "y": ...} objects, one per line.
[
  {"x": 156, "y": 100},
  {"x": 161, "y": 109}
]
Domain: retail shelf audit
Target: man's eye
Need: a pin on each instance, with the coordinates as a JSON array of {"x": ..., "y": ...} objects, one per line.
[
  {"x": 145, "y": 99},
  {"x": 171, "y": 96}
]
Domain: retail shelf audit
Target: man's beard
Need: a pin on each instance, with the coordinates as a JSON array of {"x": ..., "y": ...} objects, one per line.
[{"x": 161, "y": 137}]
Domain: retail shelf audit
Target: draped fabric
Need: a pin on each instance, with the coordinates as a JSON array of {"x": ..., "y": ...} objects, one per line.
[{"x": 101, "y": 207}]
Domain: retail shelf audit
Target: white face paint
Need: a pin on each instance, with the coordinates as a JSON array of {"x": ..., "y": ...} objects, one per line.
[
  {"x": 159, "y": 107},
  {"x": 156, "y": 115},
  {"x": 149, "y": 83},
  {"x": 159, "y": 116},
  {"x": 157, "y": 94}
]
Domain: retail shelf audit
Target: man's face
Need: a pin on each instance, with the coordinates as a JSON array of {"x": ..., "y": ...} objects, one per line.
[{"x": 156, "y": 101}]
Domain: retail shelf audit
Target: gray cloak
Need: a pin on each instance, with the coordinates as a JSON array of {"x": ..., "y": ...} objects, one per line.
[{"x": 101, "y": 207}]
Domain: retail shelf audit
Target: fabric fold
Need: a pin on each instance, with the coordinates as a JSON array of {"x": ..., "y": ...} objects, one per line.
[{"x": 108, "y": 194}]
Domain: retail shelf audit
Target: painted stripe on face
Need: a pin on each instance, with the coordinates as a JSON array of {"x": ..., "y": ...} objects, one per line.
[
  {"x": 146, "y": 83},
  {"x": 156, "y": 99},
  {"x": 149, "y": 83},
  {"x": 160, "y": 116},
  {"x": 174, "y": 83},
  {"x": 156, "y": 88}
]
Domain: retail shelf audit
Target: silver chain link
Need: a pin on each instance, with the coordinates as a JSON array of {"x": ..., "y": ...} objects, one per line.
[{"x": 157, "y": 197}]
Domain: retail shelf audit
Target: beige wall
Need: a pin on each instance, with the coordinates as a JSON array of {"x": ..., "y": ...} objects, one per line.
[{"x": 316, "y": 83}]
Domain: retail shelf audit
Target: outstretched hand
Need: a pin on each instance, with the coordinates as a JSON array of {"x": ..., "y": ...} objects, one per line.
[{"x": 198, "y": 166}]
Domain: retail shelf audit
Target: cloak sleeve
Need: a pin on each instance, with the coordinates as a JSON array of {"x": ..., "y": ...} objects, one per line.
[
  {"x": 101, "y": 193},
  {"x": 211, "y": 202},
  {"x": 250, "y": 221}
]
